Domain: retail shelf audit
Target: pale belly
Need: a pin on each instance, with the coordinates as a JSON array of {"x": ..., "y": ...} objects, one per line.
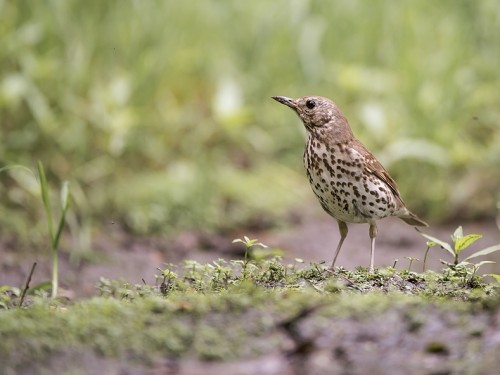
[{"x": 344, "y": 190}]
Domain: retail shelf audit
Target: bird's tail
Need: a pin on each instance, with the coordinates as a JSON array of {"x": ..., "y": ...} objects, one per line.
[{"x": 412, "y": 219}]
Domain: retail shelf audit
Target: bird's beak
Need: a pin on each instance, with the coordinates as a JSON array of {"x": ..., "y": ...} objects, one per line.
[{"x": 289, "y": 102}]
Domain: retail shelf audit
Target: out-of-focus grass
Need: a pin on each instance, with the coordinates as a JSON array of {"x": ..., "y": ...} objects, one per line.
[{"x": 159, "y": 112}]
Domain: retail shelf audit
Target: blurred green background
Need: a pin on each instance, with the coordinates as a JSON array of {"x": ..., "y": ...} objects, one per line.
[{"x": 159, "y": 112}]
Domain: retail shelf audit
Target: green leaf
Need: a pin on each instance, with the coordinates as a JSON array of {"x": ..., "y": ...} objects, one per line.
[
  {"x": 46, "y": 199},
  {"x": 464, "y": 242},
  {"x": 458, "y": 234},
  {"x": 65, "y": 195},
  {"x": 486, "y": 251},
  {"x": 65, "y": 206},
  {"x": 8, "y": 167},
  {"x": 443, "y": 244},
  {"x": 44, "y": 285},
  {"x": 495, "y": 276}
]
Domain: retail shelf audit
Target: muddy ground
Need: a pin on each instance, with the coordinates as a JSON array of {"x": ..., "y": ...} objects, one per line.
[
  {"x": 401, "y": 338},
  {"x": 116, "y": 254}
]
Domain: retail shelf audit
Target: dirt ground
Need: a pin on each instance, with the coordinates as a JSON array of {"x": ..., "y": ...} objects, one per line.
[
  {"x": 450, "y": 342},
  {"x": 116, "y": 254}
]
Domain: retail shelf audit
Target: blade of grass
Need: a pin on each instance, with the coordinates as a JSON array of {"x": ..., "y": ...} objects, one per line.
[
  {"x": 65, "y": 206},
  {"x": 7, "y": 167},
  {"x": 54, "y": 237},
  {"x": 55, "y": 242},
  {"x": 46, "y": 199}
]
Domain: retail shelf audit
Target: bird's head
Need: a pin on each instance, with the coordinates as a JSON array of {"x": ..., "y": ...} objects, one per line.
[{"x": 320, "y": 116}]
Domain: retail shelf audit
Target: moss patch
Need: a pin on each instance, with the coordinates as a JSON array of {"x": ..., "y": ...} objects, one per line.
[{"x": 212, "y": 313}]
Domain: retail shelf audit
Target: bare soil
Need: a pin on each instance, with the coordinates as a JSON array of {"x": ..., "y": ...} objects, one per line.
[{"x": 117, "y": 254}]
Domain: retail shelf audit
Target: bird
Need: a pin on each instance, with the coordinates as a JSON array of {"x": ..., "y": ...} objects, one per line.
[{"x": 351, "y": 185}]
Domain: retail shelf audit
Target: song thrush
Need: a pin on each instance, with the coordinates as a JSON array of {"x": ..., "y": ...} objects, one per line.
[{"x": 351, "y": 185}]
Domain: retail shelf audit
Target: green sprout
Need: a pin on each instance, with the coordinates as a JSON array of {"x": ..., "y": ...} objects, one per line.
[
  {"x": 460, "y": 243},
  {"x": 248, "y": 245},
  {"x": 168, "y": 280},
  {"x": 55, "y": 236},
  {"x": 411, "y": 259}
]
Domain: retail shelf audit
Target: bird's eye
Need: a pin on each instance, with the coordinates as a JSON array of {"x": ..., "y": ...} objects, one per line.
[{"x": 310, "y": 104}]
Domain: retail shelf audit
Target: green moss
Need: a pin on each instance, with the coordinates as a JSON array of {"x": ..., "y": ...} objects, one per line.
[
  {"x": 436, "y": 347},
  {"x": 245, "y": 317}
]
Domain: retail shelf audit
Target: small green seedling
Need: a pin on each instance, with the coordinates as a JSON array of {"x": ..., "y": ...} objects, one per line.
[
  {"x": 54, "y": 236},
  {"x": 248, "y": 245},
  {"x": 411, "y": 259},
  {"x": 460, "y": 243},
  {"x": 475, "y": 266},
  {"x": 168, "y": 279}
]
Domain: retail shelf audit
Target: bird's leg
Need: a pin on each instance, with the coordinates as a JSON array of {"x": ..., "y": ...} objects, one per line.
[
  {"x": 343, "y": 234},
  {"x": 373, "y": 234}
]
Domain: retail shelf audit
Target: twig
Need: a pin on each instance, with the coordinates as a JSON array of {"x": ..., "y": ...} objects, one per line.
[{"x": 27, "y": 285}]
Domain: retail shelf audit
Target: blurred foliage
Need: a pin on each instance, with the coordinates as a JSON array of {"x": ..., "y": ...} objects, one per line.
[{"x": 159, "y": 112}]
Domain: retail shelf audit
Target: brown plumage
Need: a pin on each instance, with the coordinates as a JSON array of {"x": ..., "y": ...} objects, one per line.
[{"x": 350, "y": 184}]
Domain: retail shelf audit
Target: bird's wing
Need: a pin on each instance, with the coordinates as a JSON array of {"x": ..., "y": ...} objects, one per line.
[{"x": 374, "y": 167}]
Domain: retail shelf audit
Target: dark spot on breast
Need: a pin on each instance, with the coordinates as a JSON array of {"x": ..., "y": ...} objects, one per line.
[{"x": 382, "y": 189}]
